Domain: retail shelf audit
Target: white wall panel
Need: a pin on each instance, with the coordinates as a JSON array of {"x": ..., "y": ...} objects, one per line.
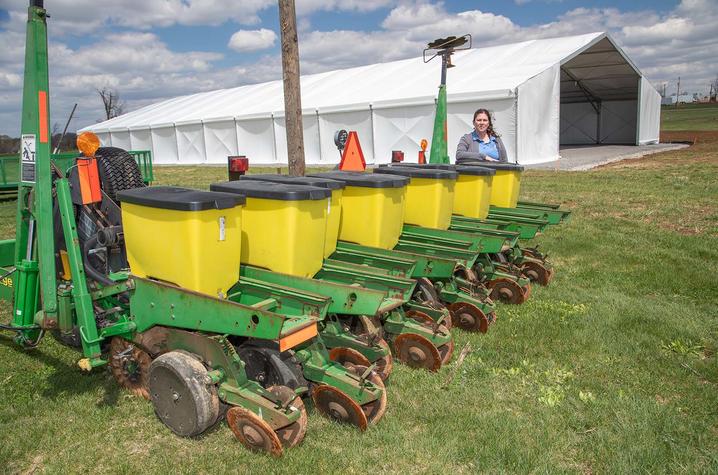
[
  {"x": 190, "y": 143},
  {"x": 579, "y": 124},
  {"x": 121, "y": 139},
  {"x": 401, "y": 128},
  {"x": 538, "y": 118},
  {"x": 310, "y": 124},
  {"x": 650, "y": 114},
  {"x": 255, "y": 139},
  {"x": 141, "y": 139},
  {"x": 220, "y": 140},
  {"x": 105, "y": 139},
  {"x": 164, "y": 145},
  {"x": 618, "y": 122}
]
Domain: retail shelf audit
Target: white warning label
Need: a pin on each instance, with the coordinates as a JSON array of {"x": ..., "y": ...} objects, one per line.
[{"x": 27, "y": 159}]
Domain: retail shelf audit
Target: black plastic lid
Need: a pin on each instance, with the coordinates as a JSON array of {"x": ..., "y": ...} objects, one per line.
[
  {"x": 460, "y": 169},
  {"x": 180, "y": 199},
  {"x": 365, "y": 180},
  {"x": 297, "y": 180},
  {"x": 495, "y": 165},
  {"x": 415, "y": 172},
  {"x": 272, "y": 191}
]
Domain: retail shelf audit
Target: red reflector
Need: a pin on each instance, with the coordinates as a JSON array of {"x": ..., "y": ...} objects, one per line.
[
  {"x": 238, "y": 164},
  {"x": 42, "y": 115},
  {"x": 397, "y": 156}
]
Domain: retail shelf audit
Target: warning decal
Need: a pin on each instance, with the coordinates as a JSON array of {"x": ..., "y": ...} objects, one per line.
[{"x": 27, "y": 159}]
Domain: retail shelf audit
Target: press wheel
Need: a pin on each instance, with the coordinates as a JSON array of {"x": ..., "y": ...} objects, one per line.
[
  {"x": 180, "y": 394},
  {"x": 446, "y": 351},
  {"x": 469, "y": 317},
  {"x": 335, "y": 404},
  {"x": 292, "y": 434},
  {"x": 527, "y": 291},
  {"x": 253, "y": 432},
  {"x": 385, "y": 364},
  {"x": 343, "y": 355},
  {"x": 507, "y": 291},
  {"x": 536, "y": 272},
  {"x": 130, "y": 367},
  {"x": 373, "y": 410},
  {"x": 417, "y": 351}
]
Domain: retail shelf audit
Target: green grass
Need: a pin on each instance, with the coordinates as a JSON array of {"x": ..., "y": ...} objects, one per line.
[
  {"x": 690, "y": 117},
  {"x": 610, "y": 369}
]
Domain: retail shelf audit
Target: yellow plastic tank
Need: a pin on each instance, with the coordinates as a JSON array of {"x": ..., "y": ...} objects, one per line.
[
  {"x": 283, "y": 226},
  {"x": 372, "y": 207},
  {"x": 334, "y": 210},
  {"x": 429, "y": 195},
  {"x": 186, "y": 237},
  {"x": 506, "y": 184},
  {"x": 472, "y": 194}
]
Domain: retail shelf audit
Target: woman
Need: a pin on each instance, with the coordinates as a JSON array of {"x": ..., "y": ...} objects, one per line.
[{"x": 483, "y": 143}]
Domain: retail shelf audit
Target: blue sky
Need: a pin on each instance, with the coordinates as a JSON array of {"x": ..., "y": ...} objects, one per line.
[{"x": 153, "y": 50}]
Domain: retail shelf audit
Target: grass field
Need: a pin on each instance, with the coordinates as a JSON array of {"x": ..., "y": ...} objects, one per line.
[
  {"x": 690, "y": 117},
  {"x": 611, "y": 369}
]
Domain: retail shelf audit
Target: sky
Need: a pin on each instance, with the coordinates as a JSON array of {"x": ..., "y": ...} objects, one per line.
[{"x": 152, "y": 50}]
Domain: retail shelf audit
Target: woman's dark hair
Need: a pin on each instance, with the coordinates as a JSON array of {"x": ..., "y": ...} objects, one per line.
[{"x": 490, "y": 130}]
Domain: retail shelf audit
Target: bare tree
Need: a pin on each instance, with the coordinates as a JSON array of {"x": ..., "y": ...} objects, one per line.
[{"x": 111, "y": 102}]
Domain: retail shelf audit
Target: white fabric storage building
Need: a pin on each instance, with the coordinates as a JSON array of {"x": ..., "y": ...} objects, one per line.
[{"x": 570, "y": 90}]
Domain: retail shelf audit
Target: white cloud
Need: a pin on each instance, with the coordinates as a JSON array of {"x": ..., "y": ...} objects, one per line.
[
  {"x": 305, "y": 7},
  {"x": 85, "y": 16},
  {"x": 252, "y": 40}
]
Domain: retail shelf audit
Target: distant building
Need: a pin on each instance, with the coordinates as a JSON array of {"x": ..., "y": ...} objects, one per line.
[{"x": 683, "y": 99}]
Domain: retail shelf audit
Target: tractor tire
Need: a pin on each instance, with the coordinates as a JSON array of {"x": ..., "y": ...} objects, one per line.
[{"x": 118, "y": 171}]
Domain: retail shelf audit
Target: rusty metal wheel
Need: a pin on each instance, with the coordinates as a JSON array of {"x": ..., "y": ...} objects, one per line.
[
  {"x": 335, "y": 404},
  {"x": 492, "y": 317},
  {"x": 527, "y": 291},
  {"x": 446, "y": 351},
  {"x": 417, "y": 352},
  {"x": 292, "y": 434},
  {"x": 253, "y": 432},
  {"x": 425, "y": 292},
  {"x": 507, "y": 291},
  {"x": 372, "y": 329},
  {"x": 427, "y": 321},
  {"x": 343, "y": 355},
  {"x": 130, "y": 367},
  {"x": 536, "y": 272},
  {"x": 374, "y": 410},
  {"x": 385, "y": 364},
  {"x": 469, "y": 317},
  {"x": 420, "y": 317}
]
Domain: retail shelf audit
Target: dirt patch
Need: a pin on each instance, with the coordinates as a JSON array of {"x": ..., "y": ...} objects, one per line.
[
  {"x": 695, "y": 137},
  {"x": 703, "y": 151}
]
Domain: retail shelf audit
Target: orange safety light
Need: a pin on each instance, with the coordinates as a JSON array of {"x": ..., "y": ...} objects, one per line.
[{"x": 88, "y": 143}]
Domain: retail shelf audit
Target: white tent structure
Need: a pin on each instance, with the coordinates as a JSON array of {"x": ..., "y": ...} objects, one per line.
[{"x": 571, "y": 90}]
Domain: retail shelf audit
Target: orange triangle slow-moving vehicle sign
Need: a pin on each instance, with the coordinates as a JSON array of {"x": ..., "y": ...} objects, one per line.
[{"x": 352, "y": 156}]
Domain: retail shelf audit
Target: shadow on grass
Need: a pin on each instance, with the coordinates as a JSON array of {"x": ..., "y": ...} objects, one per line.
[{"x": 68, "y": 380}]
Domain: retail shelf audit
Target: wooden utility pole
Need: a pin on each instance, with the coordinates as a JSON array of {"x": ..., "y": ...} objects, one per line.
[
  {"x": 678, "y": 92},
  {"x": 292, "y": 92}
]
